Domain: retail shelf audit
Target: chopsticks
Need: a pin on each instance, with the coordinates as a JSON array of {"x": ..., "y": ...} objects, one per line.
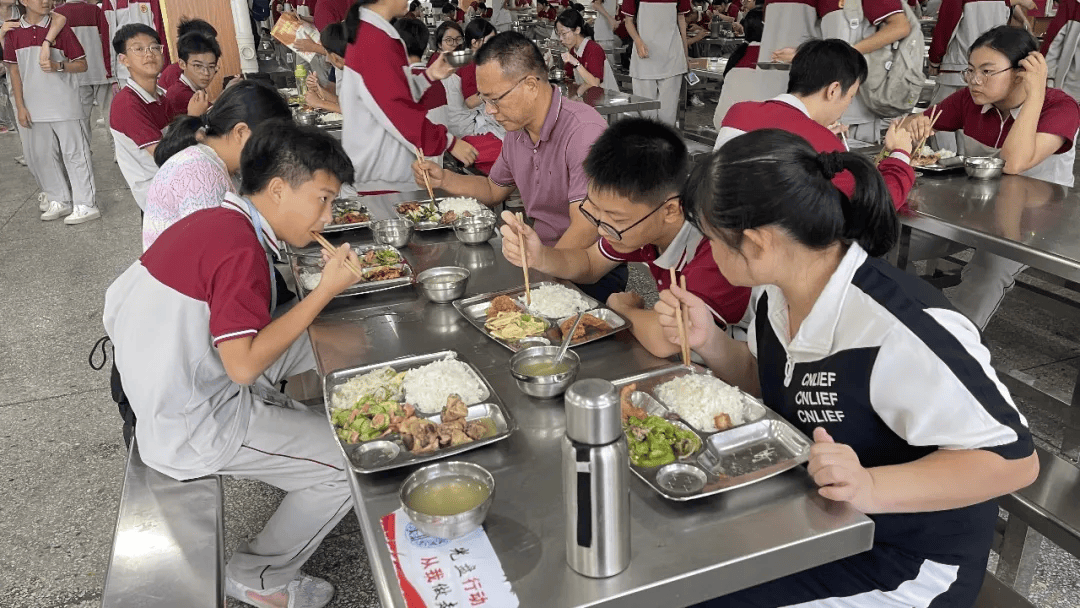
[
  {"x": 427, "y": 182},
  {"x": 922, "y": 142},
  {"x": 330, "y": 248},
  {"x": 680, "y": 319},
  {"x": 524, "y": 262}
]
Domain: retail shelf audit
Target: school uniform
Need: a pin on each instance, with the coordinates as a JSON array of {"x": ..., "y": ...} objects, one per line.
[
  {"x": 88, "y": 23},
  {"x": 787, "y": 112},
  {"x": 170, "y": 75},
  {"x": 889, "y": 368},
  {"x": 384, "y": 120},
  {"x": 501, "y": 16},
  {"x": 602, "y": 30},
  {"x": 56, "y": 143},
  {"x": 592, "y": 56},
  {"x": 988, "y": 277},
  {"x": 178, "y": 96},
  {"x": 206, "y": 280},
  {"x": 331, "y": 11},
  {"x": 788, "y": 23},
  {"x": 862, "y": 124},
  {"x": 137, "y": 120},
  {"x": 546, "y": 12},
  {"x": 1059, "y": 46},
  {"x": 659, "y": 76},
  {"x": 119, "y": 13},
  {"x": 690, "y": 255},
  {"x": 960, "y": 23},
  {"x": 740, "y": 83}
]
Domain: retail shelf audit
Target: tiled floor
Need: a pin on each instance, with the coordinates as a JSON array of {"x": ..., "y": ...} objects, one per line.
[{"x": 60, "y": 441}]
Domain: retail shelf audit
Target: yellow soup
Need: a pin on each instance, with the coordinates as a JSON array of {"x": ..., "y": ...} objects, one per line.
[
  {"x": 542, "y": 367},
  {"x": 448, "y": 495}
]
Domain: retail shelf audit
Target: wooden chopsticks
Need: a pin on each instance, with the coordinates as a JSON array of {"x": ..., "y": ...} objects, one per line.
[
  {"x": 922, "y": 142},
  {"x": 524, "y": 262},
  {"x": 427, "y": 182},
  {"x": 680, "y": 318},
  {"x": 330, "y": 249}
]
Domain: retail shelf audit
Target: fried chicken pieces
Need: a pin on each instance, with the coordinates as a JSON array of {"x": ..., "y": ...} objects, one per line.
[
  {"x": 626, "y": 403},
  {"x": 588, "y": 322},
  {"x": 501, "y": 304},
  {"x": 421, "y": 435}
]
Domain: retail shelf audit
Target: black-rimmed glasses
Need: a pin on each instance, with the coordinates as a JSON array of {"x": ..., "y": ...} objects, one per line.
[
  {"x": 494, "y": 101},
  {"x": 614, "y": 233}
]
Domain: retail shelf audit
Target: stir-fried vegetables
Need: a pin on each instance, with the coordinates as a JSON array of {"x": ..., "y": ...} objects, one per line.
[
  {"x": 655, "y": 442},
  {"x": 513, "y": 326}
]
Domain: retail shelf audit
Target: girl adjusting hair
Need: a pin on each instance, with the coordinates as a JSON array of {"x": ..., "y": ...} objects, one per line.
[
  {"x": 836, "y": 337},
  {"x": 198, "y": 155}
]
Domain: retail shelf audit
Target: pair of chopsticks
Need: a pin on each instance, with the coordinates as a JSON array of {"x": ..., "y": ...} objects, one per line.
[
  {"x": 922, "y": 142},
  {"x": 524, "y": 261},
  {"x": 682, "y": 315},
  {"x": 330, "y": 248},
  {"x": 427, "y": 182}
]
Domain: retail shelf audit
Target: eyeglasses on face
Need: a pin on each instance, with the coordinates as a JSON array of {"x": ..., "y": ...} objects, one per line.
[
  {"x": 143, "y": 51},
  {"x": 453, "y": 40},
  {"x": 204, "y": 69},
  {"x": 611, "y": 232},
  {"x": 977, "y": 77},
  {"x": 494, "y": 101}
]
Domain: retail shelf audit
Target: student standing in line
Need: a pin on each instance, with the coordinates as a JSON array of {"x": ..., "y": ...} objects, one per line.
[
  {"x": 50, "y": 114},
  {"x": 199, "y": 156},
  {"x": 1007, "y": 110},
  {"x": 384, "y": 121},
  {"x": 659, "y": 32},
  {"x": 1060, "y": 44},
  {"x": 199, "y": 57},
  {"x": 96, "y": 84},
  {"x": 171, "y": 74},
  {"x": 607, "y": 12},
  {"x": 193, "y": 317},
  {"x": 123, "y": 12},
  {"x": 586, "y": 61}
]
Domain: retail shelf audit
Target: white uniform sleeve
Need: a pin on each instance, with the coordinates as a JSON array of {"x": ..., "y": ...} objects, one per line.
[
  {"x": 933, "y": 386},
  {"x": 724, "y": 135}
]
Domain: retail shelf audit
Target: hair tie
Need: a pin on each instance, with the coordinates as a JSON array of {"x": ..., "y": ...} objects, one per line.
[
  {"x": 831, "y": 164},
  {"x": 205, "y": 119}
]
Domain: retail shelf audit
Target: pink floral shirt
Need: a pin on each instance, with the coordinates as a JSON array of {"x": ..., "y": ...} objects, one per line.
[{"x": 193, "y": 179}]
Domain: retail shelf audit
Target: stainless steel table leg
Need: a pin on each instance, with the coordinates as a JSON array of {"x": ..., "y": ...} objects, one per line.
[{"x": 1019, "y": 556}]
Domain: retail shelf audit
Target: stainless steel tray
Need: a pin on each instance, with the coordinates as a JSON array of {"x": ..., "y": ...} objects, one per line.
[
  {"x": 954, "y": 165},
  {"x": 299, "y": 267},
  {"x": 474, "y": 309},
  {"x": 348, "y": 204},
  {"x": 389, "y": 452},
  {"x": 424, "y": 225},
  {"x": 764, "y": 446}
]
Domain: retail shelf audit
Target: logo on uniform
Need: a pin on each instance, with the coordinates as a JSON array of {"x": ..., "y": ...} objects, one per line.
[{"x": 146, "y": 7}]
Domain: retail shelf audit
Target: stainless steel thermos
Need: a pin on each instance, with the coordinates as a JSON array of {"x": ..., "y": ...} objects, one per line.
[{"x": 596, "y": 480}]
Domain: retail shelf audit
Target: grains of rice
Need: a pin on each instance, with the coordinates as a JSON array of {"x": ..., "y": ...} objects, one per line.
[
  {"x": 556, "y": 301},
  {"x": 460, "y": 205},
  {"x": 698, "y": 399},
  {"x": 427, "y": 387},
  {"x": 310, "y": 279}
]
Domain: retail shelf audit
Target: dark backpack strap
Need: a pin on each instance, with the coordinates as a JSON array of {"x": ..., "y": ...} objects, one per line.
[{"x": 122, "y": 404}]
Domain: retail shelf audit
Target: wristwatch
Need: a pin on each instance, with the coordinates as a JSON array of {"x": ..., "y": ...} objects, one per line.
[{"x": 61, "y": 68}]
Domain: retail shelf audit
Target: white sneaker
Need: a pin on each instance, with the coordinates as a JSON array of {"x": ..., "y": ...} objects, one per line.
[
  {"x": 21, "y": 160},
  {"x": 56, "y": 211},
  {"x": 304, "y": 591},
  {"x": 82, "y": 214},
  {"x": 696, "y": 101},
  {"x": 43, "y": 201}
]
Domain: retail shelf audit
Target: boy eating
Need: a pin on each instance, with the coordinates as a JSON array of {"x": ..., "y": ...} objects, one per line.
[
  {"x": 199, "y": 61},
  {"x": 635, "y": 170},
  {"x": 201, "y": 357}
]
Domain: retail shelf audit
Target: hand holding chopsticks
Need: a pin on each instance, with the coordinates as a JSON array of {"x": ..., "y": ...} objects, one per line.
[
  {"x": 332, "y": 250},
  {"x": 524, "y": 261},
  {"x": 681, "y": 315},
  {"x": 427, "y": 181}
]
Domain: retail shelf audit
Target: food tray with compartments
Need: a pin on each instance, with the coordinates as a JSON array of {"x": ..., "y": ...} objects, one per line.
[
  {"x": 390, "y": 452},
  {"x": 307, "y": 262},
  {"x": 945, "y": 165},
  {"x": 474, "y": 309},
  {"x": 423, "y": 225},
  {"x": 763, "y": 446},
  {"x": 343, "y": 206}
]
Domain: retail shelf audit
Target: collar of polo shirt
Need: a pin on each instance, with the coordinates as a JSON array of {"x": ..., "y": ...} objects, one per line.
[
  {"x": 794, "y": 102},
  {"x": 552, "y": 116},
  {"x": 44, "y": 22},
  {"x": 681, "y": 249},
  {"x": 145, "y": 95},
  {"x": 184, "y": 79},
  {"x": 580, "y": 48},
  {"x": 1015, "y": 111},
  {"x": 238, "y": 203}
]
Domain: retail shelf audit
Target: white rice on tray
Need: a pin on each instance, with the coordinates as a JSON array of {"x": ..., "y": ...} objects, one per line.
[
  {"x": 460, "y": 205},
  {"x": 427, "y": 387},
  {"x": 698, "y": 399},
  {"x": 556, "y": 301}
]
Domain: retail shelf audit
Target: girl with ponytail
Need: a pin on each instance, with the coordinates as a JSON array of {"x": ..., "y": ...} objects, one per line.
[
  {"x": 909, "y": 422},
  {"x": 199, "y": 154}
]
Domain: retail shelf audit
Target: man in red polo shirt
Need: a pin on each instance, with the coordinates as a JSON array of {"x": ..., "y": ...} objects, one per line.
[{"x": 636, "y": 169}]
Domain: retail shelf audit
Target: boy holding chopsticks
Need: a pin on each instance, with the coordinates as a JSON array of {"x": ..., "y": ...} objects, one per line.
[
  {"x": 635, "y": 171},
  {"x": 201, "y": 356}
]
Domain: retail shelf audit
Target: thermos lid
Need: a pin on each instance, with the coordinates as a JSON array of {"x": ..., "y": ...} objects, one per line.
[{"x": 593, "y": 414}]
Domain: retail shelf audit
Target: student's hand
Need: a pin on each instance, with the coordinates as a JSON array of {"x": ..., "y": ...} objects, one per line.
[
  {"x": 625, "y": 300},
  {"x": 737, "y": 29},
  {"x": 642, "y": 50},
  {"x": 899, "y": 138},
  {"x": 568, "y": 58},
  {"x": 312, "y": 82},
  {"x": 701, "y": 330},
  {"x": 336, "y": 276},
  {"x": 836, "y": 470},
  {"x": 312, "y": 99},
  {"x": 24, "y": 118},
  {"x": 198, "y": 104},
  {"x": 514, "y": 232},
  {"x": 440, "y": 69},
  {"x": 435, "y": 174},
  {"x": 307, "y": 45},
  {"x": 7, "y": 26},
  {"x": 1033, "y": 72},
  {"x": 464, "y": 151},
  {"x": 1025, "y": 4},
  {"x": 838, "y": 128},
  {"x": 784, "y": 55},
  {"x": 45, "y": 58},
  {"x": 918, "y": 126}
]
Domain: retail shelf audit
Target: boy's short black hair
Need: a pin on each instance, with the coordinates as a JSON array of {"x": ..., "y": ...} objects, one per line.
[
  {"x": 197, "y": 44},
  {"x": 640, "y": 159},
  {"x": 332, "y": 39},
  {"x": 414, "y": 34},
  {"x": 130, "y": 31},
  {"x": 281, "y": 148},
  {"x": 188, "y": 26},
  {"x": 448, "y": 9},
  {"x": 819, "y": 63}
]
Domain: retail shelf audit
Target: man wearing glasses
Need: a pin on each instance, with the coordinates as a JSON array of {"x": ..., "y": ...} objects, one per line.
[
  {"x": 636, "y": 169},
  {"x": 547, "y": 139},
  {"x": 199, "y": 61}
]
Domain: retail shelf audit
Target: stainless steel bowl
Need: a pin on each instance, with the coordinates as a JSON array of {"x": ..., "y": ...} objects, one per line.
[
  {"x": 557, "y": 75},
  {"x": 448, "y": 526},
  {"x": 983, "y": 167},
  {"x": 395, "y": 232},
  {"x": 543, "y": 387},
  {"x": 475, "y": 229},
  {"x": 459, "y": 58},
  {"x": 444, "y": 283},
  {"x": 308, "y": 119}
]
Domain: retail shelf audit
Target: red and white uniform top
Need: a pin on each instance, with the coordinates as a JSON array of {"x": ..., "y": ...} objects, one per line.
[
  {"x": 170, "y": 75},
  {"x": 592, "y": 56},
  {"x": 88, "y": 23},
  {"x": 49, "y": 96},
  {"x": 1060, "y": 47},
  {"x": 137, "y": 119},
  {"x": 178, "y": 95},
  {"x": 960, "y": 22},
  {"x": 119, "y": 13}
]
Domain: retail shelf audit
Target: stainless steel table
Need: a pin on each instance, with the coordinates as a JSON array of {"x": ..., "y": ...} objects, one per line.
[
  {"x": 682, "y": 552},
  {"x": 609, "y": 103}
]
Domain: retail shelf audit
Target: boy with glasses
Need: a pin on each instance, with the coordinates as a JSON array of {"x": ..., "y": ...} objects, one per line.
[
  {"x": 171, "y": 74},
  {"x": 635, "y": 171},
  {"x": 199, "y": 61}
]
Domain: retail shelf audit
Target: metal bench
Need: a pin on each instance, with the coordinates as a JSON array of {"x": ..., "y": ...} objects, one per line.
[
  {"x": 1048, "y": 508},
  {"x": 996, "y": 594},
  {"x": 168, "y": 543}
]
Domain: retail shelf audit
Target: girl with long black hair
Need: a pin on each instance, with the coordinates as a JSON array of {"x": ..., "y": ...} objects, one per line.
[{"x": 584, "y": 58}]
